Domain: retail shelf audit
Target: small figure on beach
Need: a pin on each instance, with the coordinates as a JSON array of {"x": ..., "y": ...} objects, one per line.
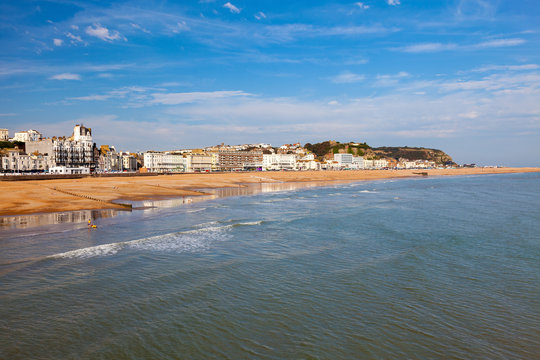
[{"x": 90, "y": 225}]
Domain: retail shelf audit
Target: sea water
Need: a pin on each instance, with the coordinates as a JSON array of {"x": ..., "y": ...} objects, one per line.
[{"x": 423, "y": 268}]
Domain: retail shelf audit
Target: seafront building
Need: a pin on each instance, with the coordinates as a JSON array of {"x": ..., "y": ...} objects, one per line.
[
  {"x": 25, "y": 136},
  {"x": 343, "y": 159},
  {"x": 4, "y": 134},
  {"x": 163, "y": 162},
  {"x": 73, "y": 152},
  {"x": 240, "y": 160},
  {"x": 16, "y": 160},
  {"x": 279, "y": 162},
  {"x": 201, "y": 162}
]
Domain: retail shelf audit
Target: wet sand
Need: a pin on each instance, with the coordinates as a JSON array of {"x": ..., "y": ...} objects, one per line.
[{"x": 42, "y": 196}]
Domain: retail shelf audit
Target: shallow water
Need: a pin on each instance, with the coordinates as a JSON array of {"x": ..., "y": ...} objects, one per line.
[{"x": 440, "y": 268}]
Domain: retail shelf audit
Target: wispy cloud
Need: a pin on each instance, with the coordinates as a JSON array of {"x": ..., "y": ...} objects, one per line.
[
  {"x": 191, "y": 97},
  {"x": 66, "y": 76},
  {"x": 347, "y": 77},
  {"x": 391, "y": 79},
  {"x": 232, "y": 8},
  {"x": 394, "y": 2},
  {"x": 427, "y": 47},
  {"x": 435, "y": 47},
  {"x": 506, "y": 68},
  {"x": 58, "y": 42},
  {"x": 103, "y": 33},
  {"x": 260, "y": 15},
  {"x": 180, "y": 27},
  {"x": 139, "y": 27},
  {"x": 92, "y": 98},
  {"x": 500, "y": 43},
  {"x": 75, "y": 39},
  {"x": 361, "y": 5}
]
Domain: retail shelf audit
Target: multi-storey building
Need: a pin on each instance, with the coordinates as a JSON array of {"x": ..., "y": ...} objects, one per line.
[
  {"x": 198, "y": 162},
  {"x": 279, "y": 162},
  {"x": 109, "y": 159},
  {"x": 358, "y": 162},
  {"x": 29, "y": 135},
  {"x": 129, "y": 162},
  {"x": 163, "y": 162},
  {"x": 240, "y": 160},
  {"x": 4, "y": 134},
  {"x": 16, "y": 160},
  {"x": 343, "y": 159},
  {"x": 75, "y": 151}
]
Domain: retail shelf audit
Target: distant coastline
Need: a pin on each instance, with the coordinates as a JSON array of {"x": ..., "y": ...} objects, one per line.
[{"x": 46, "y": 196}]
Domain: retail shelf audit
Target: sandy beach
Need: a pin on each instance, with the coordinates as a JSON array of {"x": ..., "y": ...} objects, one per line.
[{"x": 41, "y": 196}]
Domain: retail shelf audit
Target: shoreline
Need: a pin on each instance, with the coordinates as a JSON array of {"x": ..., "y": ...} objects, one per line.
[{"x": 60, "y": 195}]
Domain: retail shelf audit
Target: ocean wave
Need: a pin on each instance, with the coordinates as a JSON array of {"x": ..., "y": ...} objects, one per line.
[
  {"x": 195, "y": 210},
  {"x": 183, "y": 241}
]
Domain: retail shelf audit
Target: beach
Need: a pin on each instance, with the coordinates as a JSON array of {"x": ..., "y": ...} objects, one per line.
[{"x": 45, "y": 196}]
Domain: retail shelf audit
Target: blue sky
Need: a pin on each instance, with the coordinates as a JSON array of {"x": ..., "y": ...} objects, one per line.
[{"x": 459, "y": 75}]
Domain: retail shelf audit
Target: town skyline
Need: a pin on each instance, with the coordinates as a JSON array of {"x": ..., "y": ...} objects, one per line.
[{"x": 462, "y": 76}]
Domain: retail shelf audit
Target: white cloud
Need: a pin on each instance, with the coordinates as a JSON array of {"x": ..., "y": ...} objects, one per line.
[
  {"x": 506, "y": 68},
  {"x": 92, "y": 98},
  {"x": 232, "y": 8},
  {"x": 74, "y": 27},
  {"x": 401, "y": 74},
  {"x": 180, "y": 26},
  {"x": 58, "y": 42},
  {"x": 434, "y": 47},
  {"x": 347, "y": 77},
  {"x": 74, "y": 38},
  {"x": 394, "y": 2},
  {"x": 500, "y": 43},
  {"x": 428, "y": 47},
  {"x": 260, "y": 15},
  {"x": 361, "y": 5},
  {"x": 103, "y": 33},
  {"x": 391, "y": 79},
  {"x": 66, "y": 76},
  {"x": 469, "y": 115},
  {"x": 139, "y": 27},
  {"x": 191, "y": 97}
]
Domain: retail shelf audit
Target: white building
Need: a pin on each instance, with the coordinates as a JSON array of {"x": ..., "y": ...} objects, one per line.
[
  {"x": 279, "y": 162},
  {"x": 380, "y": 163},
  {"x": 29, "y": 135},
  {"x": 358, "y": 161},
  {"x": 343, "y": 159},
  {"x": 305, "y": 165},
  {"x": 63, "y": 170},
  {"x": 4, "y": 134},
  {"x": 16, "y": 160},
  {"x": 369, "y": 164},
  {"x": 163, "y": 162},
  {"x": 198, "y": 162}
]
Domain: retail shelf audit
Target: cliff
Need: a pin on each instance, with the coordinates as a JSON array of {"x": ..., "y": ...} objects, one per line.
[{"x": 327, "y": 149}]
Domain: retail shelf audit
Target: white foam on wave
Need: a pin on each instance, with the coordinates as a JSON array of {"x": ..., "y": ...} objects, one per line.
[
  {"x": 195, "y": 210},
  {"x": 368, "y": 191},
  {"x": 184, "y": 241}
]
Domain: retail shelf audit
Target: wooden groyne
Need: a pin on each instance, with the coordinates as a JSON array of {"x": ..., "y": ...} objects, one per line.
[{"x": 126, "y": 206}]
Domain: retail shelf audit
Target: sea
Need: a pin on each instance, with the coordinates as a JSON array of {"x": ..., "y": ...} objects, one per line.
[{"x": 416, "y": 268}]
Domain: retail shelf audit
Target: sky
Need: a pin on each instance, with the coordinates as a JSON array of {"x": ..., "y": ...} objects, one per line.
[{"x": 462, "y": 76}]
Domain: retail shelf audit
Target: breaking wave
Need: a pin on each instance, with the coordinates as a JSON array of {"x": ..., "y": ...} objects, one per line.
[{"x": 182, "y": 241}]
